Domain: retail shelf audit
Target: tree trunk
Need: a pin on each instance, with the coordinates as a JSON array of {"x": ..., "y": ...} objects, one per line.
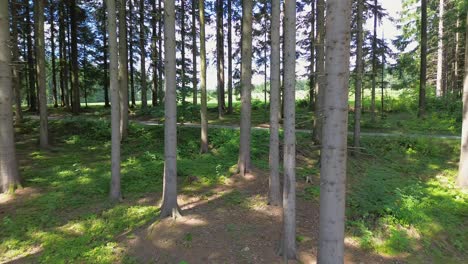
[
  {"x": 31, "y": 69},
  {"x": 220, "y": 56},
  {"x": 246, "y": 83},
  {"x": 74, "y": 58},
  {"x": 462, "y": 179},
  {"x": 440, "y": 50},
  {"x": 182, "y": 33},
  {"x": 154, "y": 54},
  {"x": 274, "y": 194},
  {"x": 144, "y": 99},
  {"x": 63, "y": 54},
  {"x": 41, "y": 74},
  {"x": 422, "y": 76},
  {"x": 123, "y": 70},
  {"x": 115, "y": 191},
  {"x": 288, "y": 242},
  {"x": 229, "y": 39},
  {"x": 334, "y": 142},
  {"x": 52, "y": 54},
  {"x": 160, "y": 51},
  {"x": 132, "y": 75},
  {"x": 169, "y": 205},
  {"x": 9, "y": 176},
  {"x": 16, "y": 68},
  {"x": 312, "y": 57},
  {"x": 359, "y": 69},
  {"x": 203, "y": 99},
  {"x": 194, "y": 51},
  {"x": 320, "y": 70},
  {"x": 374, "y": 63},
  {"x": 106, "y": 65}
]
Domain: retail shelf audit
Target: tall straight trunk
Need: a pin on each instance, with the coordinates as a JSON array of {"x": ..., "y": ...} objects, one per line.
[
  {"x": 74, "y": 58},
  {"x": 115, "y": 189},
  {"x": 144, "y": 98},
  {"x": 220, "y": 56},
  {"x": 160, "y": 50},
  {"x": 41, "y": 73},
  {"x": 70, "y": 61},
  {"x": 423, "y": 64},
  {"x": 182, "y": 33},
  {"x": 194, "y": 51},
  {"x": 130, "y": 46},
  {"x": 274, "y": 194},
  {"x": 31, "y": 70},
  {"x": 106, "y": 64},
  {"x": 312, "y": 57},
  {"x": 289, "y": 161},
  {"x": 320, "y": 71},
  {"x": 154, "y": 54},
  {"x": 374, "y": 63},
  {"x": 16, "y": 81},
  {"x": 229, "y": 40},
  {"x": 333, "y": 156},
  {"x": 359, "y": 70},
  {"x": 61, "y": 73},
  {"x": 382, "y": 83},
  {"x": 63, "y": 59},
  {"x": 457, "y": 54},
  {"x": 169, "y": 205},
  {"x": 203, "y": 99},
  {"x": 52, "y": 54},
  {"x": 9, "y": 175},
  {"x": 246, "y": 83},
  {"x": 123, "y": 71},
  {"x": 462, "y": 179},
  {"x": 265, "y": 66},
  {"x": 440, "y": 51}
]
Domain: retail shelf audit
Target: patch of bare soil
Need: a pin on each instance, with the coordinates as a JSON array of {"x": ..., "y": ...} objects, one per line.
[{"x": 232, "y": 224}]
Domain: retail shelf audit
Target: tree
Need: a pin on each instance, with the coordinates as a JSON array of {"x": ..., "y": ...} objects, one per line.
[
  {"x": 423, "y": 64},
  {"x": 9, "y": 176},
  {"x": 74, "y": 58},
  {"x": 288, "y": 242},
  {"x": 123, "y": 71},
  {"x": 320, "y": 70},
  {"x": 64, "y": 73},
  {"x": 359, "y": 70},
  {"x": 462, "y": 179},
  {"x": 194, "y": 51},
  {"x": 144, "y": 99},
  {"x": 31, "y": 69},
  {"x": 154, "y": 53},
  {"x": 15, "y": 59},
  {"x": 229, "y": 39},
  {"x": 374, "y": 63},
  {"x": 115, "y": 191},
  {"x": 130, "y": 47},
  {"x": 41, "y": 74},
  {"x": 334, "y": 141},
  {"x": 220, "y": 56},
  {"x": 204, "y": 111},
  {"x": 52, "y": 53},
  {"x": 169, "y": 202},
  {"x": 246, "y": 83},
  {"x": 440, "y": 50},
  {"x": 274, "y": 194}
]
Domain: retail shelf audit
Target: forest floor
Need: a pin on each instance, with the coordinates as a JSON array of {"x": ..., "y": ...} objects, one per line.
[{"x": 402, "y": 206}]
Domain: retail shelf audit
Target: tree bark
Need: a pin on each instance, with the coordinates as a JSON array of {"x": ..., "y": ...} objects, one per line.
[
  {"x": 359, "y": 69},
  {"x": 154, "y": 54},
  {"x": 144, "y": 98},
  {"x": 320, "y": 70},
  {"x": 63, "y": 54},
  {"x": 106, "y": 65},
  {"x": 41, "y": 74},
  {"x": 169, "y": 205},
  {"x": 374, "y": 63},
  {"x": 182, "y": 33},
  {"x": 204, "y": 111},
  {"x": 16, "y": 68},
  {"x": 440, "y": 51},
  {"x": 288, "y": 250},
  {"x": 229, "y": 39},
  {"x": 115, "y": 189},
  {"x": 160, "y": 49},
  {"x": 194, "y": 51},
  {"x": 132, "y": 75},
  {"x": 312, "y": 57},
  {"x": 74, "y": 58},
  {"x": 246, "y": 83},
  {"x": 220, "y": 56},
  {"x": 9, "y": 175},
  {"x": 52, "y": 54},
  {"x": 423, "y": 64},
  {"x": 31, "y": 70},
  {"x": 333, "y": 156},
  {"x": 274, "y": 194},
  {"x": 123, "y": 70},
  {"x": 462, "y": 179}
]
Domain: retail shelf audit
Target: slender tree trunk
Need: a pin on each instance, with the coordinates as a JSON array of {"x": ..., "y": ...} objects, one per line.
[
  {"x": 462, "y": 179},
  {"x": 74, "y": 58},
  {"x": 64, "y": 60},
  {"x": 440, "y": 50},
  {"x": 457, "y": 54},
  {"x": 169, "y": 205},
  {"x": 106, "y": 65},
  {"x": 31, "y": 70},
  {"x": 61, "y": 57},
  {"x": 359, "y": 70},
  {"x": 194, "y": 51},
  {"x": 422, "y": 77},
  {"x": 312, "y": 57},
  {"x": 382, "y": 83},
  {"x": 41, "y": 74},
  {"x": 204, "y": 112},
  {"x": 274, "y": 194},
  {"x": 144, "y": 98},
  {"x": 288, "y": 250},
  {"x": 334, "y": 142},
  {"x": 160, "y": 49},
  {"x": 9, "y": 175},
  {"x": 52, "y": 54},
  {"x": 320, "y": 70},
  {"x": 123, "y": 70},
  {"x": 132, "y": 75},
  {"x": 246, "y": 83},
  {"x": 115, "y": 190},
  {"x": 229, "y": 39},
  {"x": 220, "y": 56},
  {"x": 374, "y": 63},
  {"x": 154, "y": 54},
  {"x": 182, "y": 33},
  {"x": 16, "y": 81}
]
